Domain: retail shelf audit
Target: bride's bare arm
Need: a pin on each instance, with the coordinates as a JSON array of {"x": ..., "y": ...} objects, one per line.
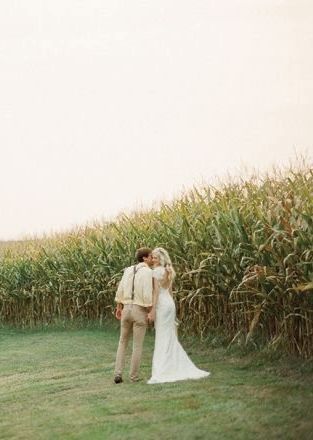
[
  {"x": 170, "y": 289},
  {"x": 155, "y": 297},
  {"x": 168, "y": 281}
]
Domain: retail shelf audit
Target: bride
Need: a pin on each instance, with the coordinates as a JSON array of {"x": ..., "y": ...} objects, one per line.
[{"x": 170, "y": 361}]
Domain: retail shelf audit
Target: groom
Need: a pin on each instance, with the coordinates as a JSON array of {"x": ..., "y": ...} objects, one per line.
[{"x": 134, "y": 302}]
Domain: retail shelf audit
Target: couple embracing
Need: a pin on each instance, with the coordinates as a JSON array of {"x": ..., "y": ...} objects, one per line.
[{"x": 145, "y": 295}]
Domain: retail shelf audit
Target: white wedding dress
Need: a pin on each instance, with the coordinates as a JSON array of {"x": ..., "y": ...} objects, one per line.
[{"x": 170, "y": 361}]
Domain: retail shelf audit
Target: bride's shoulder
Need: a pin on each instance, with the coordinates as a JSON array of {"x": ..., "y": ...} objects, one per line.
[{"x": 158, "y": 272}]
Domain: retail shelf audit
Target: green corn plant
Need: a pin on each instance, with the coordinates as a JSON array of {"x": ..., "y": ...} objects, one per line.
[{"x": 243, "y": 253}]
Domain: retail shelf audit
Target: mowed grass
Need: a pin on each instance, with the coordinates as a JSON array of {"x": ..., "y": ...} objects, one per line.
[{"x": 57, "y": 384}]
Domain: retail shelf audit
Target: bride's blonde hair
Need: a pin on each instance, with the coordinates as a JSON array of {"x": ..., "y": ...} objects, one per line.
[{"x": 165, "y": 261}]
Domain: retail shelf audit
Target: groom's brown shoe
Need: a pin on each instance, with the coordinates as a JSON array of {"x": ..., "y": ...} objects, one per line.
[{"x": 118, "y": 379}]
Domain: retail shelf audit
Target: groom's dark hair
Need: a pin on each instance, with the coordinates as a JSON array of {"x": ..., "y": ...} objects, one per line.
[{"x": 142, "y": 253}]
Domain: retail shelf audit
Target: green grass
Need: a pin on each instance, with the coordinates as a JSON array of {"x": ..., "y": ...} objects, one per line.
[{"x": 57, "y": 384}]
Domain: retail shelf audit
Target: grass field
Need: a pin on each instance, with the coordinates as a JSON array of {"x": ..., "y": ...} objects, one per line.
[{"x": 57, "y": 384}]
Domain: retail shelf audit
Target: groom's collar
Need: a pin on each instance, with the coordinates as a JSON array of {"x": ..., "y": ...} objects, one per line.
[{"x": 143, "y": 264}]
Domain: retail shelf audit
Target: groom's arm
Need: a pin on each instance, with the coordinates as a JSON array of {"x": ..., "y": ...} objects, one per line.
[
  {"x": 119, "y": 297},
  {"x": 118, "y": 311}
]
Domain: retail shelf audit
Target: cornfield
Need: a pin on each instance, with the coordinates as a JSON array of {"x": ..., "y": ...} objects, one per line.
[{"x": 243, "y": 253}]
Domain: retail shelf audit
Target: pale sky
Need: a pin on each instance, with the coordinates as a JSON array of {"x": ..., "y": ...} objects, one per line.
[{"x": 107, "y": 105}]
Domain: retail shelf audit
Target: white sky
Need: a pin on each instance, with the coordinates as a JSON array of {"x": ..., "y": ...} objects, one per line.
[{"x": 105, "y": 105}]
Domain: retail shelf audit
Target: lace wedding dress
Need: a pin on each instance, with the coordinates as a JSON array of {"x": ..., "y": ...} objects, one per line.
[{"x": 170, "y": 361}]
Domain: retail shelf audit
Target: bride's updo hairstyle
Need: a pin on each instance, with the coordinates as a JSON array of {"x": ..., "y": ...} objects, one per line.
[{"x": 165, "y": 261}]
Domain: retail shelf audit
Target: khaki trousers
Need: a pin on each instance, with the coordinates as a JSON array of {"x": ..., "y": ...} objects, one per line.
[{"x": 134, "y": 319}]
